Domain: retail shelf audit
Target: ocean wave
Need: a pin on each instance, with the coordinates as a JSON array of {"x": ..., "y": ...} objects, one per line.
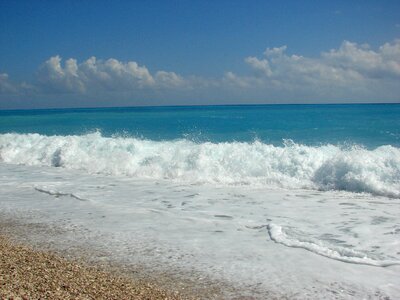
[{"x": 325, "y": 167}]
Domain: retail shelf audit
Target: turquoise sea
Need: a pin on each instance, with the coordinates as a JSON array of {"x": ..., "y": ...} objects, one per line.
[
  {"x": 279, "y": 201},
  {"x": 369, "y": 125},
  {"x": 325, "y": 147}
]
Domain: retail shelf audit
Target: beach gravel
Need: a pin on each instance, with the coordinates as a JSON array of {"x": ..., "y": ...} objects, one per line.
[{"x": 30, "y": 274}]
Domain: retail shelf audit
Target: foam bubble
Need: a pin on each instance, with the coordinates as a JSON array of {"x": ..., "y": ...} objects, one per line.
[
  {"x": 277, "y": 234},
  {"x": 325, "y": 167}
]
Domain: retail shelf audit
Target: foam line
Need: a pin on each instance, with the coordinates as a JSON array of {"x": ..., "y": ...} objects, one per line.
[
  {"x": 58, "y": 193},
  {"x": 277, "y": 234}
]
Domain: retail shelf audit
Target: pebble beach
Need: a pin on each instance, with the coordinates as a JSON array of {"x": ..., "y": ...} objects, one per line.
[{"x": 26, "y": 273}]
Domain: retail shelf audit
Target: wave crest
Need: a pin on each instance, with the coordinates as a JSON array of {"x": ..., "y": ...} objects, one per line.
[{"x": 326, "y": 167}]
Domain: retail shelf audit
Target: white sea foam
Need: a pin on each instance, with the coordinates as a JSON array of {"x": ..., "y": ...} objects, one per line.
[
  {"x": 325, "y": 167},
  {"x": 278, "y": 235},
  {"x": 218, "y": 231}
]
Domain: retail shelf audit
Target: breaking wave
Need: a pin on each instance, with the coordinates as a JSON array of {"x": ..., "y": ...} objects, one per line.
[{"x": 325, "y": 167}]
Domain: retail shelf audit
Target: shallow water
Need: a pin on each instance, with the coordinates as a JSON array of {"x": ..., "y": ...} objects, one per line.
[{"x": 315, "y": 244}]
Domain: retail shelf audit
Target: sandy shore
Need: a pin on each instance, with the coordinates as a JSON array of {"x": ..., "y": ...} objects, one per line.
[{"x": 30, "y": 274}]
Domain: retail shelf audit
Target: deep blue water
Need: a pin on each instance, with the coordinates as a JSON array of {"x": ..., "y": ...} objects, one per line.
[{"x": 370, "y": 125}]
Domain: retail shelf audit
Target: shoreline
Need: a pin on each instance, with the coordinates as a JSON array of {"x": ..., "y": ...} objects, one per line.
[
  {"x": 202, "y": 242},
  {"x": 31, "y": 253}
]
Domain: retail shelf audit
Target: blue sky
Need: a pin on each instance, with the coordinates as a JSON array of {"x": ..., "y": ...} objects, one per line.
[{"x": 197, "y": 52}]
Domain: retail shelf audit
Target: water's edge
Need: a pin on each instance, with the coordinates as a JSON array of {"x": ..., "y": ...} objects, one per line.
[{"x": 75, "y": 245}]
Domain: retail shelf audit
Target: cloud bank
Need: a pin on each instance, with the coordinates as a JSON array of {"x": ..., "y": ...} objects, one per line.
[
  {"x": 97, "y": 75},
  {"x": 351, "y": 70},
  {"x": 351, "y": 73},
  {"x": 7, "y": 87}
]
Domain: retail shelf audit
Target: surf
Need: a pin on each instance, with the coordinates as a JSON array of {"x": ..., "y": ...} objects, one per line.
[{"x": 292, "y": 165}]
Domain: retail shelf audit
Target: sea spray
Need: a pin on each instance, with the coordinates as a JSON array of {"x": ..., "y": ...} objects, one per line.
[{"x": 325, "y": 167}]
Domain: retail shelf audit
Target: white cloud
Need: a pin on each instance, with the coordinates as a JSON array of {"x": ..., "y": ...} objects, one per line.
[
  {"x": 233, "y": 80},
  {"x": 56, "y": 78},
  {"x": 10, "y": 88},
  {"x": 96, "y": 75},
  {"x": 368, "y": 63},
  {"x": 5, "y": 85},
  {"x": 277, "y": 51},
  {"x": 262, "y": 66},
  {"x": 169, "y": 79},
  {"x": 353, "y": 70}
]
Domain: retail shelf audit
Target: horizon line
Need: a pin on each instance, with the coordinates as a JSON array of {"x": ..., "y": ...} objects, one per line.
[{"x": 199, "y": 105}]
